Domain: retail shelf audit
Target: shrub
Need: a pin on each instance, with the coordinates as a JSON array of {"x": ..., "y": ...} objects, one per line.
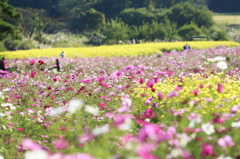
[
  {"x": 141, "y": 16},
  {"x": 2, "y": 47},
  {"x": 21, "y": 45},
  {"x": 222, "y": 36},
  {"x": 185, "y": 13},
  {"x": 115, "y": 30},
  {"x": 187, "y": 31}
]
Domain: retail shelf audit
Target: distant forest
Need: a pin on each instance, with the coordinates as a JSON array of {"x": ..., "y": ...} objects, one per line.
[
  {"x": 111, "y": 8},
  {"x": 110, "y": 21}
]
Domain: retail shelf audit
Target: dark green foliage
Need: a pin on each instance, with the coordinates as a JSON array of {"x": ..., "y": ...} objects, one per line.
[
  {"x": 2, "y": 47},
  {"x": 115, "y": 30},
  {"x": 89, "y": 20},
  {"x": 50, "y": 5},
  {"x": 187, "y": 31},
  {"x": 221, "y": 36},
  {"x": 186, "y": 13},
  {"x": 154, "y": 30},
  {"x": 7, "y": 29},
  {"x": 20, "y": 44},
  {"x": 140, "y": 16}
]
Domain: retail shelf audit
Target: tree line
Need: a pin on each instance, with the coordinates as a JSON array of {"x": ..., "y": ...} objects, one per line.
[{"x": 115, "y": 20}]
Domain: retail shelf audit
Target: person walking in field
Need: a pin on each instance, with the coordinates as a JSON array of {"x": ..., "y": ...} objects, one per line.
[
  {"x": 62, "y": 55},
  {"x": 57, "y": 66},
  {"x": 3, "y": 64}
]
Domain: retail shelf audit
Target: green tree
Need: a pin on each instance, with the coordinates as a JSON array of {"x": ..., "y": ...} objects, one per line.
[
  {"x": 222, "y": 36},
  {"x": 187, "y": 31},
  {"x": 186, "y": 13},
  {"x": 115, "y": 30},
  {"x": 7, "y": 29}
]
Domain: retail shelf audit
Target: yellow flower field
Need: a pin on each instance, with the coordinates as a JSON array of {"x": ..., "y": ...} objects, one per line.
[
  {"x": 114, "y": 50},
  {"x": 206, "y": 102}
]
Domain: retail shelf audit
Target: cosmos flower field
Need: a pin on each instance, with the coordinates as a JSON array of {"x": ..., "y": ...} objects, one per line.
[{"x": 178, "y": 104}]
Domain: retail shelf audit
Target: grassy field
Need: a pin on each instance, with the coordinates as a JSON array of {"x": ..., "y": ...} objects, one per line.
[
  {"x": 227, "y": 19},
  {"x": 114, "y": 50}
]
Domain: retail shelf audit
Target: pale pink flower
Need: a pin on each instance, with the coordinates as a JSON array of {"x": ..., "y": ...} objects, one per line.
[
  {"x": 172, "y": 94},
  {"x": 83, "y": 156},
  {"x": 226, "y": 141},
  {"x": 60, "y": 144},
  {"x": 234, "y": 109},
  {"x": 30, "y": 145}
]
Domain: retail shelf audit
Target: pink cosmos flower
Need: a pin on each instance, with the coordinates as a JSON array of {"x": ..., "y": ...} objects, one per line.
[
  {"x": 149, "y": 114},
  {"x": 29, "y": 144},
  {"x": 20, "y": 129},
  {"x": 234, "y": 109},
  {"x": 147, "y": 102},
  {"x": 153, "y": 89},
  {"x": 172, "y": 94},
  {"x": 85, "y": 80},
  {"x": 33, "y": 74},
  {"x": 109, "y": 115},
  {"x": 150, "y": 84},
  {"x": 177, "y": 88},
  {"x": 160, "y": 95},
  {"x": 63, "y": 128},
  {"x": 201, "y": 86},
  {"x": 55, "y": 79},
  {"x": 32, "y": 62},
  {"x": 60, "y": 144},
  {"x": 117, "y": 74},
  {"x": 85, "y": 138},
  {"x": 156, "y": 79},
  {"x": 141, "y": 80},
  {"x": 154, "y": 105},
  {"x": 126, "y": 102},
  {"x": 220, "y": 88},
  {"x": 226, "y": 141},
  {"x": 207, "y": 151},
  {"x": 195, "y": 92},
  {"x": 40, "y": 62},
  {"x": 83, "y": 156}
]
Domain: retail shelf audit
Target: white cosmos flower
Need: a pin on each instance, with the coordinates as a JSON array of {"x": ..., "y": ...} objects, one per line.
[
  {"x": 175, "y": 153},
  {"x": 127, "y": 125},
  {"x": 6, "y": 89},
  {"x": 37, "y": 154},
  {"x": 57, "y": 111},
  {"x": 210, "y": 60},
  {"x": 222, "y": 65},
  {"x": 91, "y": 110},
  {"x": 1, "y": 157},
  {"x": 236, "y": 124},
  {"x": 100, "y": 130},
  {"x": 75, "y": 105},
  {"x": 219, "y": 58},
  {"x": 224, "y": 157},
  {"x": 208, "y": 128}
]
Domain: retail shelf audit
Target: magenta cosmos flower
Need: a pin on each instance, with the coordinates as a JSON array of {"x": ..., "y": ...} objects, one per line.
[
  {"x": 207, "y": 151},
  {"x": 117, "y": 74},
  {"x": 220, "y": 88}
]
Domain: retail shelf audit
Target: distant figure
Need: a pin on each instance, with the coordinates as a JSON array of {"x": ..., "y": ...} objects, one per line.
[
  {"x": 14, "y": 48},
  {"x": 57, "y": 65},
  {"x": 186, "y": 47},
  {"x": 62, "y": 55},
  {"x": 3, "y": 64}
]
